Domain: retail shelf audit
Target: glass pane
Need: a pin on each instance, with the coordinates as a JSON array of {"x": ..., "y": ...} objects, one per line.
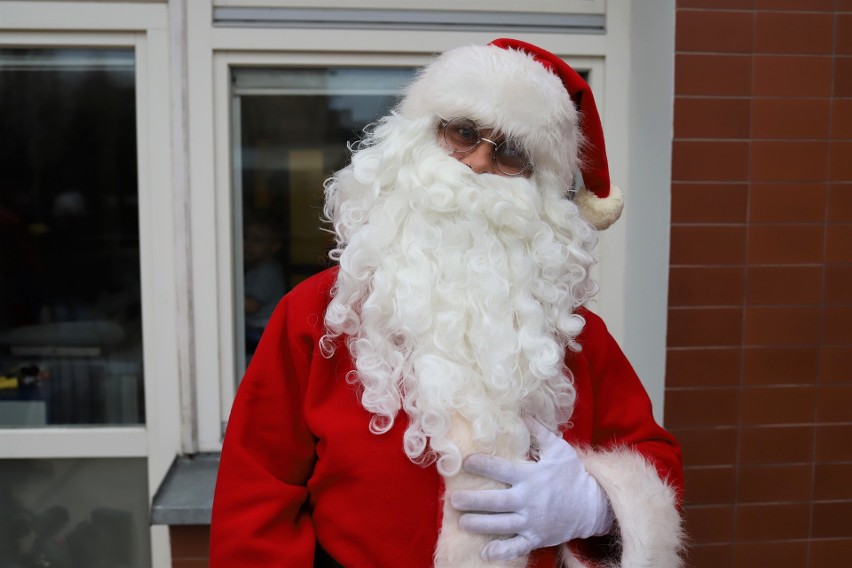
[
  {"x": 74, "y": 513},
  {"x": 70, "y": 317},
  {"x": 293, "y": 126}
]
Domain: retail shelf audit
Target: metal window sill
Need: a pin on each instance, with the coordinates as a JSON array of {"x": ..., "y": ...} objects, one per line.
[{"x": 186, "y": 495}]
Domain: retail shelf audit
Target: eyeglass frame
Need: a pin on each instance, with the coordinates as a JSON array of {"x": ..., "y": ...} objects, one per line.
[{"x": 444, "y": 123}]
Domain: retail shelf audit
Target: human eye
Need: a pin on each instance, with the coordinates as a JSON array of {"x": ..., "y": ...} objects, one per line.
[
  {"x": 511, "y": 154},
  {"x": 464, "y": 132}
]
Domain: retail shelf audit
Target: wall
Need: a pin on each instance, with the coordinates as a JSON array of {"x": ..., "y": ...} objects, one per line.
[
  {"x": 190, "y": 546},
  {"x": 759, "y": 388}
]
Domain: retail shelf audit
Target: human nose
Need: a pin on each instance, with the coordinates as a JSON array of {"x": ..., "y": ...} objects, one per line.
[{"x": 480, "y": 158}]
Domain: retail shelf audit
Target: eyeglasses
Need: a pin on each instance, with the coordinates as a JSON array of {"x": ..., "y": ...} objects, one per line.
[{"x": 464, "y": 136}]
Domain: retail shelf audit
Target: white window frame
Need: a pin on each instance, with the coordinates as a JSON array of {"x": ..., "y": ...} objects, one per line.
[
  {"x": 553, "y": 6},
  {"x": 143, "y": 28},
  {"x": 634, "y": 40}
]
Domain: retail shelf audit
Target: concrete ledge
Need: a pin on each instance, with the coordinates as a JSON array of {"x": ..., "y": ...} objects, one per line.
[{"x": 186, "y": 494}]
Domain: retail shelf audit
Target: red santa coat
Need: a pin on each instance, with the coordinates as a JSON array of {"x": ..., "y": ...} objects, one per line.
[{"x": 299, "y": 465}]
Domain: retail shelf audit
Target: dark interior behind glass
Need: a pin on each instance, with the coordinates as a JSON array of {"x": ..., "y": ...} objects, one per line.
[
  {"x": 294, "y": 128},
  {"x": 70, "y": 310}
]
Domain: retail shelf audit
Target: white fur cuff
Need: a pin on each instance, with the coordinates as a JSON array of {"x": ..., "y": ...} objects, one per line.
[{"x": 645, "y": 508}]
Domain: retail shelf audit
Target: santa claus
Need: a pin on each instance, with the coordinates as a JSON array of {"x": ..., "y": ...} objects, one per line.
[{"x": 442, "y": 397}]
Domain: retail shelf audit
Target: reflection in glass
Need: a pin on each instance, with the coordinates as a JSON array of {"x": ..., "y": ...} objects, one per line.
[
  {"x": 74, "y": 513},
  {"x": 70, "y": 317},
  {"x": 291, "y": 130}
]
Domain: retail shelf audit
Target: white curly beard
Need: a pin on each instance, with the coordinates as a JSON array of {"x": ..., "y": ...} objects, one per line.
[{"x": 456, "y": 295}]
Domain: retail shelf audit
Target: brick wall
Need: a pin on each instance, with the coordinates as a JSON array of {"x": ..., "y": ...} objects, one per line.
[
  {"x": 759, "y": 369},
  {"x": 190, "y": 546}
]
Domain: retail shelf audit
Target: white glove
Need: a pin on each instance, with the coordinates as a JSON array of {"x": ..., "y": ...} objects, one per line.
[{"x": 550, "y": 501}]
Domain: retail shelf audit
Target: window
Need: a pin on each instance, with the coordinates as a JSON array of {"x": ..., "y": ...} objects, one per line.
[
  {"x": 71, "y": 512},
  {"x": 252, "y": 41},
  {"x": 290, "y": 131},
  {"x": 70, "y": 302},
  {"x": 70, "y": 317}
]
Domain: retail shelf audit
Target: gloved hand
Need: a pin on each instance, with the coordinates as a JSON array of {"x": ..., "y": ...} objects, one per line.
[{"x": 549, "y": 501}]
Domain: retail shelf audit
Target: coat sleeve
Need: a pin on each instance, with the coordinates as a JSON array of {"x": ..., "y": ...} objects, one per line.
[
  {"x": 260, "y": 508},
  {"x": 636, "y": 461}
]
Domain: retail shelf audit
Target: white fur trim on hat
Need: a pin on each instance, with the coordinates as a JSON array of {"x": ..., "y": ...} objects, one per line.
[
  {"x": 600, "y": 212},
  {"x": 645, "y": 507},
  {"x": 504, "y": 89}
]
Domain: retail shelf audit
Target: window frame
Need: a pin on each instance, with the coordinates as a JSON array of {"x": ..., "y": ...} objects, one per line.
[
  {"x": 210, "y": 137},
  {"x": 144, "y": 28},
  {"x": 631, "y": 72},
  {"x": 553, "y": 6}
]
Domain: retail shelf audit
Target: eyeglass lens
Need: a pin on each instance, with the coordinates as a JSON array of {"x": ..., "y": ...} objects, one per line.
[{"x": 463, "y": 135}]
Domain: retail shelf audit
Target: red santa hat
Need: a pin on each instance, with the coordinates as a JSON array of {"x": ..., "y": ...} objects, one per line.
[{"x": 534, "y": 96}]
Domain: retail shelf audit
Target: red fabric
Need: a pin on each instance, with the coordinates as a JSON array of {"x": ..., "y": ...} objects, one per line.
[
  {"x": 595, "y": 168},
  {"x": 299, "y": 464}
]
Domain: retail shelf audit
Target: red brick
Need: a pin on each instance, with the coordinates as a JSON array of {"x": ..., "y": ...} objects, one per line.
[
  {"x": 841, "y": 118},
  {"x": 716, "y": 4},
  {"x": 843, "y": 35},
  {"x": 780, "y": 365},
  {"x": 786, "y": 244},
  {"x": 697, "y": 117},
  {"x": 706, "y": 286},
  {"x": 838, "y": 246},
  {"x": 796, "y": 5},
  {"x": 776, "y": 444},
  {"x": 710, "y": 160},
  {"x": 709, "y": 202},
  {"x": 842, "y": 76},
  {"x": 840, "y": 202},
  {"x": 778, "y": 483},
  {"x": 709, "y": 485},
  {"x": 779, "y": 32},
  {"x": 716, "y": 31},
  {"x": 835, "y": 404},
  {"x": 701, "y": 407},
  {"x": 708, "y": 446},
  {"x": 792, "y": 76},
  {"x": 790, "y": 118},
  {"x": 702, "y": 75},
  {"x": 837, "y": 325},
  {"x": 787, "y": 202},
  {"x": 838, "y": 284},
  {"x": 772, "y": 522},
  {"x": 693, "y": 327},
  {"x": 780, "y": 285},
  {"x": 710, "y": 556},
  {"x": 831, "y": 520},
  {"x": 831, "y": 481},
  {"x": 789, "y": 160},
  {"x": 782, "y": 325},
  {"x": 707, "y": 244},
  {"x": 703, "y": 367},
  {"x": 832, "y": 443},
  {"x": 789, "y": 554},
  {"x": 841, "y": 160},
  {"x": 710, "y": 524},
  {"x": 778, "y": 405},
  {"x": 835, "y": 364},
  {"x": 830, "y": 553},
  {"x": 190, "y": 541}
]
